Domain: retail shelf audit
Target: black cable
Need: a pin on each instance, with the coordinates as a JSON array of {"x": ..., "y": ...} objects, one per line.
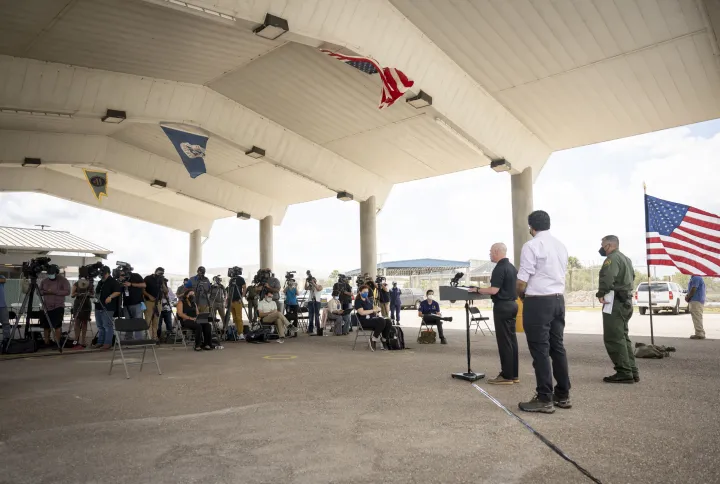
[{"x": 540, "y": 436}]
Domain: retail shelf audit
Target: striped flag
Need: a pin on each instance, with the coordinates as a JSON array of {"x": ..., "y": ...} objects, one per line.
[
  {"x": 682, "y": 236},
  {"x": 394, "y": 82}
]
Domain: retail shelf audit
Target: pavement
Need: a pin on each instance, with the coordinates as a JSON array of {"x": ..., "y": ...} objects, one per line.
[{"x": 312, "y": 410}]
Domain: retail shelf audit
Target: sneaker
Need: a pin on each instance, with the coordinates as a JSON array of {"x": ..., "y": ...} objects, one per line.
[
  {"x": 281, "y": 340},
  {"x": 516, "y": 380},
  {"x": 499, "y": 380},
  {"x": 537, "y": 406},
  {"x": 636, "y": 377},
  {"x": 697, "y": 336},
  {"x": 372, "y": 342},
  {"x": 241, "y": 337},
  {"x": 78, "y": 347},
  {"x": 619, "y": 379},
  {"x": 443, "y": 341},
  {"x": 562, "y": 402}
]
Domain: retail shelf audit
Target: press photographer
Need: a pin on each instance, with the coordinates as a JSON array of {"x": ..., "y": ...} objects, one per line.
[
  {"x": 236, "y": 288},
  {"x": 54, "y": 288},
  {"x": 201, "y": 288},
  {"x": 344, "y": 290},
  {"x": 218, "y": 298},
  {"x": 313, "y": 290},
  {"x": 383, "y": 296},
  {"x": 83, "y": 292},
  {"x": 107, "y": 306},
  {"x": 133, "y": 285},
  {"x": 154, "y": 291},
  {"x": 266, "y": 282},
  {"x": 291, "y": 302}
]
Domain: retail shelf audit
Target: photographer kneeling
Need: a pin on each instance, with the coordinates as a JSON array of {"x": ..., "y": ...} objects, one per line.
[
  {"x": 430, "y": 312},
  {"x": 187, "y": 311},
  {"x": 369, "y": 319},
  {"x": 268, "y": 312}
]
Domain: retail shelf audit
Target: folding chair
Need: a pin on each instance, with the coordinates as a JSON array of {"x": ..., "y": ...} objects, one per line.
[
  {"x": 360, "y": 332},
  {"x": 425, "y": 325},
  {"x": 476, "y": 318},
  {"x": 132, "y": 324},
  {"x": 303, "y": 317}
]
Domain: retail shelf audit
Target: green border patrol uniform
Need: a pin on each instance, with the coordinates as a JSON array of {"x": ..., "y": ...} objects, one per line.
[{"x": 617, "y": 274}]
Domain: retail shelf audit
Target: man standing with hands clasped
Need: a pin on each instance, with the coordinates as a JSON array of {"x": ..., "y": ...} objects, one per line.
[
  {"x": 541, "y": 284},
  {"x": 615, "y": 294},
  {"x": 503, "y": 292}
]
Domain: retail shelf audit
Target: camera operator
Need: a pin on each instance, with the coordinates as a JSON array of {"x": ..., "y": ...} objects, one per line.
[
  {"x": 54, "y": 288},
  {"x": 269, "y": 313},
  {"x": 428, "y": 309},
  {"x": 273, "y": 286},
  {"x": 252, "y": 295},
  {"x": 218, "y": 298},
  {"x": 181, "y": 287},
  {"x": 342, "y": 287},
  {"x": 134, "y": 285},
  {"x": 108, "y": 295},
  {"x": 201, "y": 288},
  {"x": 236, "y": 303},
  {"x": 384, "y": 298},
  {"x": 82, "y": 293},
  {"x": 166, "y": 314},
  {"x": 313, "y": 298},
  {"x": 368, "y": 317},
  {"x": 291, "y": 302},
  {"x": 187, "y": 312},
  {"x": 395, "y": 302},
  {"x": 154, "y": 291}
]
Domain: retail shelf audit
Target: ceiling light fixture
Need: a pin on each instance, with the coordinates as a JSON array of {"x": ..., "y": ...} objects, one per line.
[
  {"x": 272, "y": 28},
  {"x": 49, "y": 114},
  {"x": 243, "y": 216},
  {"x": 158, "y": 184},
  {"x": 459, "y": 136},
  {"x": 32, "y": 162},
  {"x": 114, "y": 116},
  {"x": 345, "y": 196},
  {"x": 422, "y": 100},
  {"x": 197, "y": 8},
  {"x": 500, "y": 165},
  {"x": 255, "y": 152}
]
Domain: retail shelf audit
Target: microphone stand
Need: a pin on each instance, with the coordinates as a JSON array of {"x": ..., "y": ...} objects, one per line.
[{"x": 469, "y": 375}]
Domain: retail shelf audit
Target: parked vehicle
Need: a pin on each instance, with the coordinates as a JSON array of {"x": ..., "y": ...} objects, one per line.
[
  {"x": 666, "y": 296},
  {"x": 411, "y": 298}
]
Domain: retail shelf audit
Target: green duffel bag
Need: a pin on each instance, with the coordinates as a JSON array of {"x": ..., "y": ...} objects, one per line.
[{"x": 427, "y": 337}]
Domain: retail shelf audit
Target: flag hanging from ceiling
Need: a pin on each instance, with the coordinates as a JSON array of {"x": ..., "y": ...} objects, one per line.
[
  {"x": 190, "y": 147},
  {"x": 394, "y": 82},
  {"x": 682, "y": 236},
  {"x": 98, "y": 181}
]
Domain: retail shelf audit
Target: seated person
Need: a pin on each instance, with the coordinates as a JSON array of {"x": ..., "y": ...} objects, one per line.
[
  {"x": 187, "y": 312},
  {"x": 368, "y": 317},
  {"x": 430, "y": 313},
  {"x": 333, "y": 313},
  {"x": 268, "y": 312}
]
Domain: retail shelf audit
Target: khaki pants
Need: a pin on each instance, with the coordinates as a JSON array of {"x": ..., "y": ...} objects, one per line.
[
  {"x": 281, "y": 322},
  {"x": 385, "y": 309},
  {"x": 696, "y": 311},
  {"x": 219, "y": 309},
  {"x": 236, "y": 309},
  {"x": 152, "y": 318}
]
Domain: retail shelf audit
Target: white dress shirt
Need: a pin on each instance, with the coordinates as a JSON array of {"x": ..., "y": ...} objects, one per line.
[{"x": 543, "y": 262}]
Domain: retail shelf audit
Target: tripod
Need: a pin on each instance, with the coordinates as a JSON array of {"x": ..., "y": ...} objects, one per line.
[
  {"x": 80, "y": 308},
  {"x": 233, "y": 291},
  {"x": 26, "y": 306}
]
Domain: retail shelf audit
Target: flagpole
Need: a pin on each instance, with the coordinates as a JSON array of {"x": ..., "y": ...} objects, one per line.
[{"x": 647, "y": 257}]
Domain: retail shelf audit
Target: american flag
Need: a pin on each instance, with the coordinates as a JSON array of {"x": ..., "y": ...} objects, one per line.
[
  {"x": 682, "y": 236},
  {"x": 394, "y": 82}
]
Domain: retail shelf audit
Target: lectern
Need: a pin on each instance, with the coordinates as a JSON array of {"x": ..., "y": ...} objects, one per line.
[{"x": 455, "y": 293}]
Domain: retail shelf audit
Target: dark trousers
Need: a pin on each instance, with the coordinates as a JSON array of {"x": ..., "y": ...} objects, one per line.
[
  {"x": 167, "y": 317},
  {"x": 504, "y": 314},
  {"x": 544, "y": 322},
  {"x": 379, "y": 326},
  {"x": 203, "y": 332},
  {"x": 291, "y": 313},
  {"x": 313, "y": 315},
  {"x": 395, "y": 311},
  {"x": 430, "y": 319}
]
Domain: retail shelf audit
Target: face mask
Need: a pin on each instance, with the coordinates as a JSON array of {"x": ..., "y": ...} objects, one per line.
[
  {"x": 430, "y": 297},
  {"x": 268, "y": 299},
  {"x": 191, "y": 298},
  {"x": 336, "y": 297},
  {"x": 51, "y": 277},
  {"x": 602, "y": 252},
  {"x": 364, "y": 294}
]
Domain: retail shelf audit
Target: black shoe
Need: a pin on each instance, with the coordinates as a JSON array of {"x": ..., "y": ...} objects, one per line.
[
  {"x": 443, "y": 341},
  {"x": 636, "y": 377},
  {"x": 619, "y": 379},
  {"x": 562, "y": 402},
  {"x": 537, "y": 406}
]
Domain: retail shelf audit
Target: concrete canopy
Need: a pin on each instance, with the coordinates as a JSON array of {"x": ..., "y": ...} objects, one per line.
[{"x": 512, "y": 80}]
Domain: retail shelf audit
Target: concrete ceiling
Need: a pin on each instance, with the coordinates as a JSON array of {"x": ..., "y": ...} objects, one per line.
[{"x": 512, "y": 79}]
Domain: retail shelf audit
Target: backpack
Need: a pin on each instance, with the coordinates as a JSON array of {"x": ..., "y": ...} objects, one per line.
[
  {"x": 396, "y": 338},
  {"x": 231, "y": 334},
  {"x": 259, "y": 335}
]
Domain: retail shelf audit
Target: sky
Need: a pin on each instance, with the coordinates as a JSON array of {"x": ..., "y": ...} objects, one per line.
[{"x": 589, "y": 192}]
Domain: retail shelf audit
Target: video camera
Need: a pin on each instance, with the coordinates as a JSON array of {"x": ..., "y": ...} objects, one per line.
[
  {"x": 235, "y": 271},
  {"x": 217, "y": 279},
  {"x": 122, "y": 271},
  {"x": 90, "y": 271},
  {"x": 379, "y": 280},
  {"x": 34, "y": 267},
  {"x": 290, "y": 276},
  {"x": 262, "y": 277}
]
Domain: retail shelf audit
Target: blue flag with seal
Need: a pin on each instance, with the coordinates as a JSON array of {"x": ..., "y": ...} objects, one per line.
[{"x": 190, "y": 147}]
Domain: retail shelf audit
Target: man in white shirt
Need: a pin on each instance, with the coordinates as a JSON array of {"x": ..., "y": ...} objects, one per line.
[{"x": 541, "y": 284}]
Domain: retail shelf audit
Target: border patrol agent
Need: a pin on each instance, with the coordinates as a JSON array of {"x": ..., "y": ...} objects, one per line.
[{"x": 617, "y": 274}]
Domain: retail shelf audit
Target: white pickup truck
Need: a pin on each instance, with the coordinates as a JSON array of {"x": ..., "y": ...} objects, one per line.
[{"x": 666, "y": 296}]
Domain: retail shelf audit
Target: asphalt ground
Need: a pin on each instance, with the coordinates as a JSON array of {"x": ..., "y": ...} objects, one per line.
[{"x": 313, "y": 411}]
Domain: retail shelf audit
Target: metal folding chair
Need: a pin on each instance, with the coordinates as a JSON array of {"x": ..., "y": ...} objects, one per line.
[
  {"x": 427, "y": 325},
  {"x": 476, "y": 318},
  {"x": 360, "y": 332},
  {"x": 132, "y": 324}
]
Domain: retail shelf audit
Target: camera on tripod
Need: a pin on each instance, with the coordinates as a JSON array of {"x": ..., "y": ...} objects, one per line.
[
  {"x": 235, "y": 271},
  {"x": 34, "y": 267},
  {"x": 290, "y": 276},
  {"x": 379, "y": 280},
  {"x": 262, "y": 277},
  {"x": 122, "y": 271},
  {"x": 90, "y": 271}
]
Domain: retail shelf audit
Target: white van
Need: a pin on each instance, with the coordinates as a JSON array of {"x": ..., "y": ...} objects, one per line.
[{"x": 666, "y": 296}]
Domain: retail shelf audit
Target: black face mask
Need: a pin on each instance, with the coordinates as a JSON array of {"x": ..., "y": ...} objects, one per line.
[
  {"x": 191, "y": 299},
  {"x": 602, "y": 252}
]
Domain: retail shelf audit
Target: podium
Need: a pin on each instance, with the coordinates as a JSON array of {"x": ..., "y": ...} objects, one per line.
[{"x": 457, "y": 293}]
